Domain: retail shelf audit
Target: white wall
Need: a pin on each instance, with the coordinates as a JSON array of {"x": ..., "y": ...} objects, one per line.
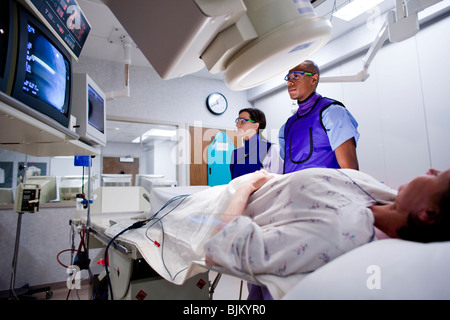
[{"x": 403, "y": 108}]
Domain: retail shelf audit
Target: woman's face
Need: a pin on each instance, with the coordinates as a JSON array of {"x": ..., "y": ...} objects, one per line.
[
  {"x": 422, "y": 191},
  {"x": 246, "y": 129}
]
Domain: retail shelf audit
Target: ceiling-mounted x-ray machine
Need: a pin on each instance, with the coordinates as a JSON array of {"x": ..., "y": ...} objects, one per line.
[{"x": 250, "y": 41}]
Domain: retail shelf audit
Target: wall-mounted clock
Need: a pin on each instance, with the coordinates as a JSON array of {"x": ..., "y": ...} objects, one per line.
[{"x": 217, "y": 103}]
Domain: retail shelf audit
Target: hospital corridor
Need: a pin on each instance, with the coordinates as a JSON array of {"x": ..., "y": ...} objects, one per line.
[{"x": 224, "y": 150}]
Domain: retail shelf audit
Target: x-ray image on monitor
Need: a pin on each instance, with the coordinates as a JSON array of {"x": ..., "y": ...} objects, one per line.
[
  {"x": 46, "y": 71},
  {"x": 96, "y": 110}
]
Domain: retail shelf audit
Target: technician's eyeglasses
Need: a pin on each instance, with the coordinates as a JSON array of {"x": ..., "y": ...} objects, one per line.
[
  {"x": 242, "y": 121},
  {"x": 297, "y": 75}
]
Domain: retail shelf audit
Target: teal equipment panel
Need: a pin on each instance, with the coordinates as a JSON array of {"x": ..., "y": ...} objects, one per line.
[{"x": 219, "y": 155}]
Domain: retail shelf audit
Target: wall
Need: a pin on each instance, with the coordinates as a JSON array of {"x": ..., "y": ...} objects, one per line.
[
  {"x": 402, "y": 109},
  {"x": 43, "y": 236}
]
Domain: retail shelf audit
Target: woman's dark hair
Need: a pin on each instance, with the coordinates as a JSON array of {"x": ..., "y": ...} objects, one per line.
[
  {"x": 417, "y": 230},
  {"x": 257, "y": 116}
]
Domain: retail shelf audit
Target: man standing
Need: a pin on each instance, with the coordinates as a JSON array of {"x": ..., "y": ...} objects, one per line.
[{"x": 322, "y": 133}]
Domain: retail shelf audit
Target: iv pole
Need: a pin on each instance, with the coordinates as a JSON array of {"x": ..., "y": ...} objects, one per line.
[{"x": 23, "y": 292}]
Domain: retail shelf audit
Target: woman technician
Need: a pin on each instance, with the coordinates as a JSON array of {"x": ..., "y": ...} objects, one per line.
[{"x": 257, "y": 153}]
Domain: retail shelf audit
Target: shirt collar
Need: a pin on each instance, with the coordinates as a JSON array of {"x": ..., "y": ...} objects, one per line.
[{"x": 305, "y": 106}]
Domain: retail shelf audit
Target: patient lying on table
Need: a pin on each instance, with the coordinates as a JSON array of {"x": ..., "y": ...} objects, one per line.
[
  {"x": 282, "y": 225},
  {"x": 313, "y": 216}
]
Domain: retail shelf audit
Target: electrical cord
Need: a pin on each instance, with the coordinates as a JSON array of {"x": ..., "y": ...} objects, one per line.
[
  {"x": 138, "y": 225},
  {"x": 135, "y": 225},
  {"x": 79, "y": 251},
  {"x": 82, "y": 262},
  {"x": 159, "y": 220}
]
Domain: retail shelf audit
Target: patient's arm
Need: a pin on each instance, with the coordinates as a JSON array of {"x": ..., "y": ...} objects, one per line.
[
  {"x": 240, "y": 198},
  {"x": 239, "y": 201}
]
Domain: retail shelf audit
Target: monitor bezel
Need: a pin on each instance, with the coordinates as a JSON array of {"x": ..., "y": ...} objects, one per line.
[
  {"x": 103, "y": 100},
  {"x": 80, "y": 109},
  {"x": 6, "y": 78},
  {"x": 35, "y": 5}
]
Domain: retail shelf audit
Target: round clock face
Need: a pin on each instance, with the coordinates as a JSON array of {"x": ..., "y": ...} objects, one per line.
[{"x": 217, "y": 103}]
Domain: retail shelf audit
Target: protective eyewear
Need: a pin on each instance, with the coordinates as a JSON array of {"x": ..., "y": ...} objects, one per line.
[
  {"x": 297, "y": 75},
  {"x": 242, "y": 121}
]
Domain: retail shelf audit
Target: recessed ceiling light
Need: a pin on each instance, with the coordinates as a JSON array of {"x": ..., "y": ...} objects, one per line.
[
  {"x": 155, "y": 133},
  {"x": 355, "y": 8}
]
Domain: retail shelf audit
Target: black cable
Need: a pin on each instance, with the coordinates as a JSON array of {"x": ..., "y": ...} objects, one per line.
[
  {"x": 183, "y": 197},
  {"x": 135, "y": 225}
]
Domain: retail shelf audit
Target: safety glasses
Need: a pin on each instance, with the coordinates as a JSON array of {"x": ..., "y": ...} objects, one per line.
[
  {"x": 242, "y": 121},
  {"x": 297, "y": 75}
]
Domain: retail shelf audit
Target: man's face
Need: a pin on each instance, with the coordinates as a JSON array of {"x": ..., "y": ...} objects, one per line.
[{"x": 303, "y": 87}]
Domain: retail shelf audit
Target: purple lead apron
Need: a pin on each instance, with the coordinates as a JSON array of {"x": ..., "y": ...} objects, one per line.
[{"x": 307, "y": 144}]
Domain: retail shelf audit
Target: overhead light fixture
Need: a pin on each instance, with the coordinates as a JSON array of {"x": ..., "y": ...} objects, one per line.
[
  {"x": 355, "y": 8},
  {"x": 155, "y": 133}
]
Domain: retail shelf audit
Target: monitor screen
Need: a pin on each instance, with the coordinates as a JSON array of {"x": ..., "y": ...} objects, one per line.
[
  {"x": 43, "y": 72},
  {"x": 96, "y": 110},
  {"x": 47, "y": 72}
]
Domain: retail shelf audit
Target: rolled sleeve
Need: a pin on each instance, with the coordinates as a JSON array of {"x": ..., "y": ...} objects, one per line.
[
  {"x": 340, "y": 125},
  {"x": 281, "y": 141}
]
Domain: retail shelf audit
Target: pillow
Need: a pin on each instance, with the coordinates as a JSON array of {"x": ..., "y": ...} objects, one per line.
[{"x": 384, "y": 269}]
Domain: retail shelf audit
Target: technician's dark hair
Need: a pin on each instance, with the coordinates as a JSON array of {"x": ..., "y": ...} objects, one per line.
[
  {"x": 257, "y": 116},
  {"x": 419, "y": 231}
]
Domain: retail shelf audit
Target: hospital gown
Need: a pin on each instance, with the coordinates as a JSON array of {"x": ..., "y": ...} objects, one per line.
[{"x": 298, "y": 222}]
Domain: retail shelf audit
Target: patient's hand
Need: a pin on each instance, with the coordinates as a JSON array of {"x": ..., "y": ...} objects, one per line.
[
  {"x": 258, "y": 179},
  {"x": 209, "y": 261},
  {"x": 238, "y": 203}
]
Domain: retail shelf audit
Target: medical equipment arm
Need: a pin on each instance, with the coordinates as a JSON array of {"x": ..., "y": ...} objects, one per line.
[{"x": 401, "y": 24}]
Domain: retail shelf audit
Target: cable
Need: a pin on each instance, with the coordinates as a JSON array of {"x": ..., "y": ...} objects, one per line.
[
  {"x": 158, "y": 220},
  {"x": 135, "y": 225},
  {"x": 183, "y": 196},
  {"x": 356, "y": 184},
  {"x": 79, "y": 251},
  {"x": 139, "y": 224},
  {"x": 59, "y": 261}
]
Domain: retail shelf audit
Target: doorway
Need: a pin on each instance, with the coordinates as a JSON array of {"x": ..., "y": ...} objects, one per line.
[
  {"x": 200, "y": 139},
  {"x": 115, "y": 166}
]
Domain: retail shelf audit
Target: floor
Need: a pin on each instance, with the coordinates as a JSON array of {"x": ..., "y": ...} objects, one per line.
[{"x": 228, "y": 288}]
